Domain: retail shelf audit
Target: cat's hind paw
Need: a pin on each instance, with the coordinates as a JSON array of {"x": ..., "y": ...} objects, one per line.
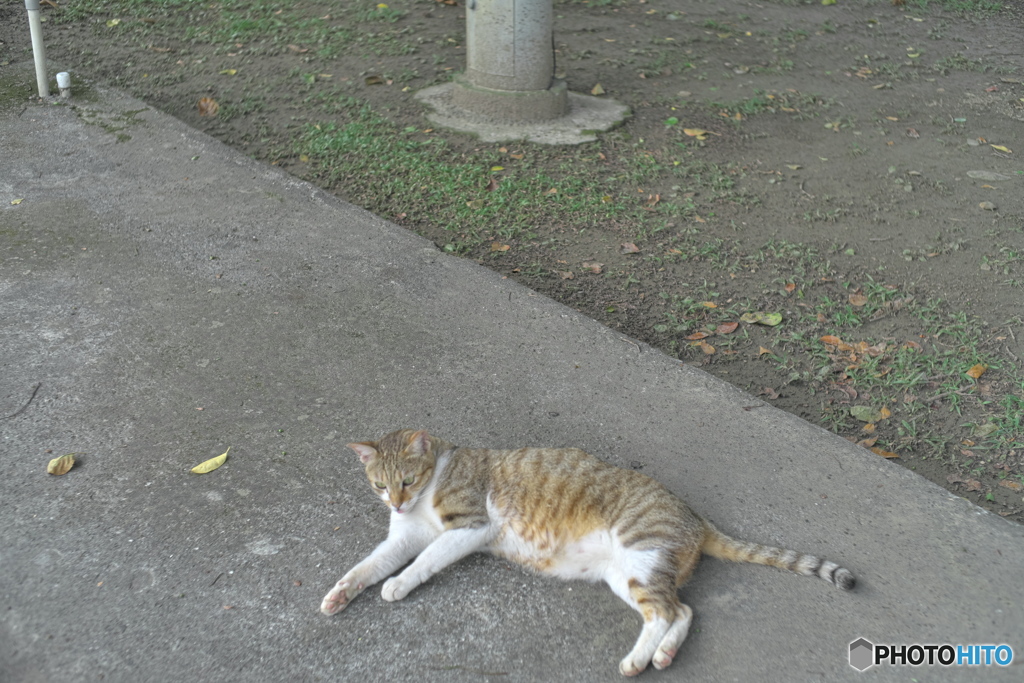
[
  {"x": 395, "y": 588},
  {"x": 627, "y": 667},
  {"x": 339, "y": 597}
]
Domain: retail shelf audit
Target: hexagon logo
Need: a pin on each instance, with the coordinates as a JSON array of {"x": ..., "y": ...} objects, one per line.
[{"x": 862, "y": 654}]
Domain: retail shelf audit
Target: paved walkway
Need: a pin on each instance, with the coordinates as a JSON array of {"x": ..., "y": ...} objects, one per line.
[{"x": 173, "y": 298}]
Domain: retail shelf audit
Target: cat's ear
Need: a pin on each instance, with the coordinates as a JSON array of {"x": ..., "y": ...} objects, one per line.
[
  {"x": 419, "y": 443},
  {"x": 366, "y": 450}
]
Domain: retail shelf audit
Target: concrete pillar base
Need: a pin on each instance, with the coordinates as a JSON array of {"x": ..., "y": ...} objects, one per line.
[
  {"x": 498, "y": 116},
  {"x": 519, "y": 106}
]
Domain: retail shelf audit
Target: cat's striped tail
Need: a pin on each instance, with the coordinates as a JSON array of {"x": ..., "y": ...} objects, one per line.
[{"x": 724, "y": 547}]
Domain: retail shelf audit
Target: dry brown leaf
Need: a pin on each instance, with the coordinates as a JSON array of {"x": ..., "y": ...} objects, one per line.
[
  {"x": 498, "y": 246},
  {"x": 868, "y": 443},
  {"x": 885, "y": 454},
  {"x": 977, "y": 371},
  {"x": 727, "y": 328},
  {"x": 707, "y": 348},
  {"x": 761, "y": 351},
  {"x": 858, "y": 300},
  {"x": 831, "y": 340},
  {"x": 973, "y": 484},
  {"x": 790, "y": 287},
  {"x": 593, "y": 266},
  {"x": 207, "y": 106},
  {"x": 597, "y": 90},
  {"x": 628, "y": 248},
  {"x": 697, "y": 335},
  {"x": 61, "y": 465},
  {"x": 1012, "y": 485},
  {"x": 565, "y": 274}
]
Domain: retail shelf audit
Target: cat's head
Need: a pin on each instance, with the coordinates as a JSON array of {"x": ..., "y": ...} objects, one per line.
[{"x": 398, "y": 466}]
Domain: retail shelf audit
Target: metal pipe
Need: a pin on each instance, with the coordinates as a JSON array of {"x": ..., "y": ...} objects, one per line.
[{"x": 38, "y": 49}]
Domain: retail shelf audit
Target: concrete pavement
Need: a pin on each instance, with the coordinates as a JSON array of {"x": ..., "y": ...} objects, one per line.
[{"x": 173, "y": 298}]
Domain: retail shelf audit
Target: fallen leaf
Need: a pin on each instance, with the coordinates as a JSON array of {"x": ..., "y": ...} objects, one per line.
[
  {"x": 207, "y": 106},
  {"x": 885, "y": 413},
  {"x": 831, "y": 340},
  {"x": 697, "y": 335},
  {"x": 1012, "y": 485},
  {"x": 211, "y": 464},
  {"x": 565, "y": 274},
  {"x": 912, "y": 133},
  {"x": 597, "y": 90},
  {"x": 492, "y": 185},
  {"x": 607, "y": 199},
  {"x": 475, "y": 204},
  {"x": 373, "y": 80},
  {"x": 229, "y": 72},
  {"x": 794, "y": 167},
  {"x": 885, "y": 454},
  {"x": 707, "y": 348},
  {"x": 977, "y": 371},
  {"x": 553, "y": 190},
  {"x": 985, "y": 430},
  {"x": 762, "y": 318},
  {"x": 628, "y": 248},
  {"x": 858, "y": 300},
  {"x": 790, "y": 287},
  {"x": 770, "y": 393},
  {"x": 498, "y": 246},
  {"x": 866, "y": 413},
  {"x": 727, "y": 328},
  {"x": 1001, "y": 148},
  {"x": 868, "y": 443},
  {"x": 495, "y": 169},
  {"x": 761, "y": 351},
  {"x": 593, "y": 266},
  {"x": 987, "y": 206},
  {"x": 15, "y": 202},
  {"x": 113, "y": 22},
  {"x": 869, "y": 428},
  {"x": 973, "y": 484},
  {"x": 61, "y": 465},
  {"x": 709, "y": 304}
]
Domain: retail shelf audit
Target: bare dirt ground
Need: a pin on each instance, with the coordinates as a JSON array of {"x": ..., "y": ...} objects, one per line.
[{"x": 822, "y": 204}]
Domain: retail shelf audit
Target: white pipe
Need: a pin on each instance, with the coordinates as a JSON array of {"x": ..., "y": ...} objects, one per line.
[
  {"x": 35, "y": 26},
  {"x": 64, "y": 84}
]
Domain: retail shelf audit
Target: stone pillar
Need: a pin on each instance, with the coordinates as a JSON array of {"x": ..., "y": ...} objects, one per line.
[{"x": 510, "y": 62}]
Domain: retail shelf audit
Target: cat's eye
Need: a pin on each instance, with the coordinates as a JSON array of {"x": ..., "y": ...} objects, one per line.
[
  {"x": 409, "y": 480},
  {"x": 381, "y": 485}
]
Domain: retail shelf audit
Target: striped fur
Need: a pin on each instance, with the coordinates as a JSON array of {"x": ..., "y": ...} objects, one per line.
[{"x": 559, "y": 511}]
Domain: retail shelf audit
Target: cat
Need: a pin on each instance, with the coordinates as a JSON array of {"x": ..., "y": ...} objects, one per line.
[{"x": 559, "y": 511}]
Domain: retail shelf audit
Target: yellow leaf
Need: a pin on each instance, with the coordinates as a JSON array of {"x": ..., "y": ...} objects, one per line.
[
  {"x": 61, "y": 465},
  {"x": 211, "y": 464},
  {"x": 113, "y": 22},
  {"x": 1000, "y": 148},
  {"x": 498, "y": 246},
  {"x": 706, "y": 348},
  {"x": 597, "y": 90},
  {"x": 698, "y": 133},
  {"x": 229, "y": 72},
  {"x": 885, "y": 454},
  {"x": 977, "y": 371},
  {"x": 497, "y": 168},
  {"x": 381, "y": 6},
  {"x": 304, "y": 158},
  {"x": 15, "y": 202},
  {"x": 884, "y": 412},
  {"x": 709, "y": 304}
]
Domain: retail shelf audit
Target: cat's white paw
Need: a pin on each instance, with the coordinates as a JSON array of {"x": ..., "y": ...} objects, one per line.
[
  {"x": 395, "y": 588},
  {"x": 662, "y": 658},
  {"x": 340, "y": 596},
  {"x": 627, "y": 667}
]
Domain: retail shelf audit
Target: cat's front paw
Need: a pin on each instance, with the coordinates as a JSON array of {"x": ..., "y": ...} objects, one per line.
[
  {"x": 628, "y": 667},
  {"x": 395, "y": 588},
  {"x": 340, "y": 596}
]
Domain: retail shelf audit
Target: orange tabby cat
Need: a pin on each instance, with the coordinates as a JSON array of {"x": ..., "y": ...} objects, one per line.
[{"x": 560, "y": 511}]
